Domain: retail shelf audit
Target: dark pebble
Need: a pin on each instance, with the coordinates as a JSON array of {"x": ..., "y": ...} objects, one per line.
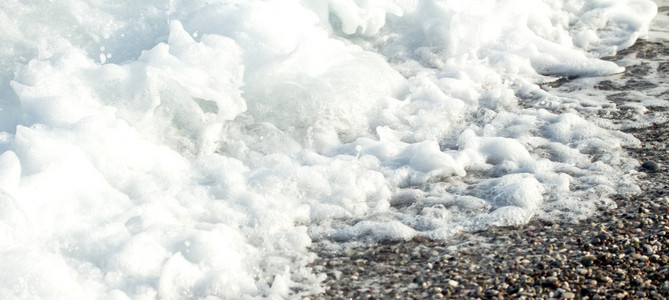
[
  {"x": 650, "y": 166},
  {"x": 551, "y": 281}
]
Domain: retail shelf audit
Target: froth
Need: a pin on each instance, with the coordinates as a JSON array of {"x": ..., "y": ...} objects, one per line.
[{"x": 192, "y": 149}]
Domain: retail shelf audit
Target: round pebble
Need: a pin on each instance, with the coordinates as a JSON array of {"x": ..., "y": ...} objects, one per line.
[{"x": 650, "y": 166}]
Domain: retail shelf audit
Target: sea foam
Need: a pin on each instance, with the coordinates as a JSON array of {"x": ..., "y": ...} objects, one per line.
[{"x": 187, "y": 149}]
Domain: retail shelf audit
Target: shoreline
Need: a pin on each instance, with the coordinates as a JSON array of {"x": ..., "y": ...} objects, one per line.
[{"x": 619, "y": 253}]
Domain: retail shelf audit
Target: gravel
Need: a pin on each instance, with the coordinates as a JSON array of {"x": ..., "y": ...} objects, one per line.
[{"x": 622, "y": 253}]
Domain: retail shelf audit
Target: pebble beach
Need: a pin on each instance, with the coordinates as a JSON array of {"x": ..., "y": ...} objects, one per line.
[{"x": 618, "y": 253}]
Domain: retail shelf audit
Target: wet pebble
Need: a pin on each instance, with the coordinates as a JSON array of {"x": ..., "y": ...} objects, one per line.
[{"x": 650, "y": 166}]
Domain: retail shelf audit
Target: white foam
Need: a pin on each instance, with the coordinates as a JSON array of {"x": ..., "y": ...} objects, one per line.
[{"x": 188, "y": 149}]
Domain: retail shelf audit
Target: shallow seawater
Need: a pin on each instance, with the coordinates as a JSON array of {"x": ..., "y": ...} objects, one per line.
[{"x": 194, "y": 149}]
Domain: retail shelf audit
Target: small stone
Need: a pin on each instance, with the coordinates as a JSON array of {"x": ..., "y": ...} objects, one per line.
[
  {"x": 566, "y": 287},
  {"x": 592, "y": 283},
  {"x": 588, "y": 260},
  {"x": 568, "y": 295},
  {"x": 337, "y": 274},
  {"x": 650, "y": 166},
  {"x": 551, "y": 281},
  {"x": 620, "y": 295},
  {"x": 602, "y": 238},
  {"x": 453, "y": 283},
  {"x": 648, "y": 248},
  {"x": 420, "y": 239}
]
